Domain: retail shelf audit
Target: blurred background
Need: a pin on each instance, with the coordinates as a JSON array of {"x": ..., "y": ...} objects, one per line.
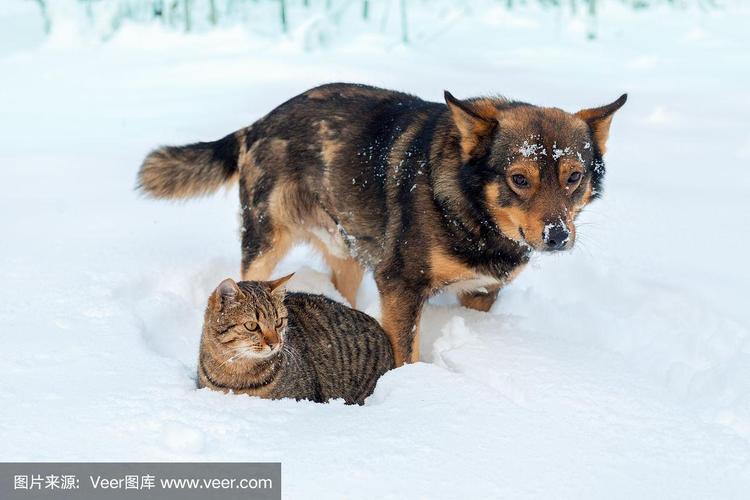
[
  {"x": 629, "y": 356},
  {"x": 321, "y": 23}
]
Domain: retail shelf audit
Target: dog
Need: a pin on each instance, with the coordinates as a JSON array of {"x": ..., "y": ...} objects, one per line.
[{"x": 427, "y": 195}]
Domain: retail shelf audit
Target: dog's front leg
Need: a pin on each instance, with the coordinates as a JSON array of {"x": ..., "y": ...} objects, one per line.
[
  {"x": 400, "y": 309},
  {"x": 480, "y": 300}
]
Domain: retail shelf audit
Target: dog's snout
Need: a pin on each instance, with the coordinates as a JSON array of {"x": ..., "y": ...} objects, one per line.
[{"x": 556, "y": 237}]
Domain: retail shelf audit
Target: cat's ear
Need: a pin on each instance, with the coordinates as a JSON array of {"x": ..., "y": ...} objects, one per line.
[
  {"x": 277, "y": 286},
  {"x": 226, "y": 293}
]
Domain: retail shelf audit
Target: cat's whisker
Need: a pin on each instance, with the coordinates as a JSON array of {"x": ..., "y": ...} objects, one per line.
[
  {"x": 292, "y": 355},
  {"x": 230, "y": 359},
  {"x": 240, "y": 352},
  {"x": 251, "y": 353}
]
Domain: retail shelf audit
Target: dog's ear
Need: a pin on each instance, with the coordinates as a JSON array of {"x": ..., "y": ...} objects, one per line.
[
  {"x": 472, "y": 126},
  {"x": 599, "y": 120}
]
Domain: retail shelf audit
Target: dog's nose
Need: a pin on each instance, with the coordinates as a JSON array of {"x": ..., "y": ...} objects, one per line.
[{"x": 556, "y": 237}]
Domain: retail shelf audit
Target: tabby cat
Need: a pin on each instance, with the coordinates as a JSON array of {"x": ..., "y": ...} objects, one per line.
[{"x": 259, "y": 340}]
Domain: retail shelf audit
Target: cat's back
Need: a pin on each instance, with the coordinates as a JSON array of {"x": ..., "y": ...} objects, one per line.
[{"x": 348, "y": 349}]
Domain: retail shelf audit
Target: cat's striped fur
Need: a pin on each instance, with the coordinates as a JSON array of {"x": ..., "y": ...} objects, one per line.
[{"x": 259, "y": 340}]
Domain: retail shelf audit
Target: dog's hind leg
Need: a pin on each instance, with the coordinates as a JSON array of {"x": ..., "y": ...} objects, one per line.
[
  {"x": 346, "y": 273},
  {"x": 261, "y": 253},
  {"x": 264, "y": 240}
]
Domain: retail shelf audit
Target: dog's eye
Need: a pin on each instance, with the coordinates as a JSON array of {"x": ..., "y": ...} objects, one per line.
[
  {"x": 520, "y": 180},
  {"x": 251, "y": 326},
  {"x": 574, "y": 177}
]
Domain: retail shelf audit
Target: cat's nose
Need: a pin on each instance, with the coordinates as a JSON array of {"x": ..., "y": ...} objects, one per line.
[{"x": 271, "y": 339}]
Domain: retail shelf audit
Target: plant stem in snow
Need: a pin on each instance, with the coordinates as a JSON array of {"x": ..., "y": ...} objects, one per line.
[
  {"x": 282, "y": 4},
  {"x": 212, "y": 12},
  {"x": 404, "y": 23},
  {"x": 45, "y": 16},
  {"x": 187, "y": 15}
]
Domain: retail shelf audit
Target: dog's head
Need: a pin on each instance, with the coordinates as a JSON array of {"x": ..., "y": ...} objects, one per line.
[{"x": 538, "y": 167}]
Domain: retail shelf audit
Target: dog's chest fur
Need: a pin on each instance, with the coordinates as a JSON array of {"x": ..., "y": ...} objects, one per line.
[
  {"x": 482, "y": 283},
  {"x": 449, "y": 272}
]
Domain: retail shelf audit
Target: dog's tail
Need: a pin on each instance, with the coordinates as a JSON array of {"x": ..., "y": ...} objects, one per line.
[{"x": 193, "y": 170}]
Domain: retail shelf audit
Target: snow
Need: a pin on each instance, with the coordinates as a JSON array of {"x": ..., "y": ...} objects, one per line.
[
  {"x": 532, "y": 150},
  {"x": 618, "y": 370}
]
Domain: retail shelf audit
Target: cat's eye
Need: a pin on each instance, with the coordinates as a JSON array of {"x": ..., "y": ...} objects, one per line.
[
  {"x": 251, "y": 326},
  {"x": 279, "y": 322}
]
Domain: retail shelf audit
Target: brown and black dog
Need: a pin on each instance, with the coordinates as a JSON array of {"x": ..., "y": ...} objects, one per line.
[{"x": 425, "y": 194}]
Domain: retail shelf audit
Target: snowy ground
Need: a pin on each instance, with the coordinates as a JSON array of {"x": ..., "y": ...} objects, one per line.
[{"x": 619, "y": 370}]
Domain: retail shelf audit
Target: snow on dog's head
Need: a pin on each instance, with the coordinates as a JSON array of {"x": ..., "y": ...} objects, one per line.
[{"x": 539, "y": 166}]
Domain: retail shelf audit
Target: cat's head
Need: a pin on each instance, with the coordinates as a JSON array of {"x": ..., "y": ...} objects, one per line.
[{"x": 248, "y": 317}]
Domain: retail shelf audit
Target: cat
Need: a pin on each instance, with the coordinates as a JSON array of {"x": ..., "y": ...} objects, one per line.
[{"x": 259, "y": 340}]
